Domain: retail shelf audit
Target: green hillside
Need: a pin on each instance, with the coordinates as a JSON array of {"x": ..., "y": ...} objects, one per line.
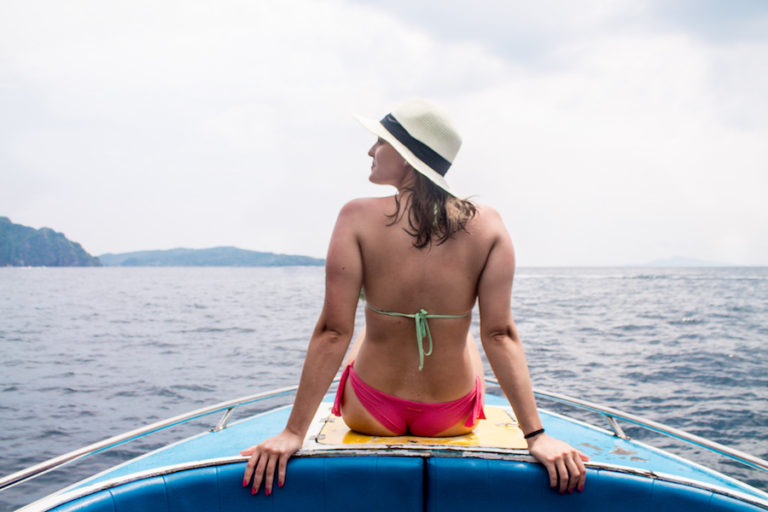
[
  {"x": 213, "y": 257},
  {"x": 22, "y": 246}
]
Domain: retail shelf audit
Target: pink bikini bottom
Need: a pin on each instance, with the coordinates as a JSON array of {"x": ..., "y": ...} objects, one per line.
[{"x": 400, "y": 416}]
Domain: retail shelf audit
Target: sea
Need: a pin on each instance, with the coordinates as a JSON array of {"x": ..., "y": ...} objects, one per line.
[{"x": 88, "y": 353}]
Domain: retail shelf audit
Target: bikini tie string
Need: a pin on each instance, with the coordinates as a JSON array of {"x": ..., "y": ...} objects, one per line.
[
  {"x": 422, "y": 330},
  {"x": 422, "y": 327}
]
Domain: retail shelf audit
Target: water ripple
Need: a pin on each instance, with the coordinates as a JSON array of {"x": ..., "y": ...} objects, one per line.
[{"x": 681, "y": 346}]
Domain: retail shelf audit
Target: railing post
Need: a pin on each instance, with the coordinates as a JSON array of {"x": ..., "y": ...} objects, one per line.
[
  {"x": 617, "y": 430},
  {"x": 222, "y": 424}
]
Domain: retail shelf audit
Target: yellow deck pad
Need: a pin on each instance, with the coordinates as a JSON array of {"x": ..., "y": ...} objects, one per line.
[{"x": 498, "y": 430}]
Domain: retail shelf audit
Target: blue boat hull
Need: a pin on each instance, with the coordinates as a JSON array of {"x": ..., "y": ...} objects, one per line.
[
  {"x": 203, "y": 473},
  {"x": 395, "y": 484}
]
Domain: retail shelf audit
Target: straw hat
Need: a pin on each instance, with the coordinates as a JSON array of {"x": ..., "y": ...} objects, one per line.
[{"x": 423, "y": 135}]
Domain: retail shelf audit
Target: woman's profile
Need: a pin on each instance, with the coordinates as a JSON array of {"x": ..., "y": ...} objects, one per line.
[{"x": 423, "y": 258}]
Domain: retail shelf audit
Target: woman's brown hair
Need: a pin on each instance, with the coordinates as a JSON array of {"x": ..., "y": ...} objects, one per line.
[{"x": 433, "y": 214}]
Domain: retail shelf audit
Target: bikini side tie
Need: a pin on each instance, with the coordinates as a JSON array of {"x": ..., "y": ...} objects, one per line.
[{"x": 422, "y": 327}]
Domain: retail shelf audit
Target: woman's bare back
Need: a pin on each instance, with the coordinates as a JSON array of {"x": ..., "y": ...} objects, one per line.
[{"x": 398, "y": 277}]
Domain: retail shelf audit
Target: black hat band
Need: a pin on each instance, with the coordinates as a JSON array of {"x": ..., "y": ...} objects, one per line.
[{"x": 418, "y": 148}]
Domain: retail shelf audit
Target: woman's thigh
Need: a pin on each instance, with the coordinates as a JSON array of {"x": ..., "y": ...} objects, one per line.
[
  {"x": 477, "y": 363},
  {"x": 357, "y": 417},
  {"x": 459, "y": 429}
]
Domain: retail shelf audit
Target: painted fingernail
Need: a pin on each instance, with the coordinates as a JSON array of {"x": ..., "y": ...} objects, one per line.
[
  {"x": 266, "y": 491},
  {"x": 253, "y": 491},
  {"x": 570, "y": 491},
  {"x": 581, "y": 488},
  {"x": 245, "y": 483},
  {"x": 280, "y": 484}
]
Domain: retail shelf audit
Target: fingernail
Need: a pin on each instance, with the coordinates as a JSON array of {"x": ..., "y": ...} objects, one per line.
[
  {"x": 253, "y": 491},
  {"x": 280, "y": 484},
  {"x": 581, "y": 488},
  {"x": 245, "y": 483},
  {"x": 570, "y": 491},
  {"x": 266, "y": 491}
]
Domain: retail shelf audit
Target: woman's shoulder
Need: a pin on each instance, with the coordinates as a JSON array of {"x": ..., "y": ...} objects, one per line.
[
  {"x": 366, "y": 204},
  {"x": 487, "y": 217},
  {"x": 486, "y": 210}
]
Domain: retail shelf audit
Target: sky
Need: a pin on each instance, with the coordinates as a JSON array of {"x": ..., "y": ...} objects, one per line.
[{"x": 605, "y": 132}]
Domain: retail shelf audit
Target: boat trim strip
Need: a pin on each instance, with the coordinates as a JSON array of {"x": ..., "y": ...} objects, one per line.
[{"x": 55, "y": 500}]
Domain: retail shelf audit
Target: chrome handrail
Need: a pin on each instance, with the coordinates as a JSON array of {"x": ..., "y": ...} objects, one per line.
[
  {"x": 655, "y": 426},
  {"x": 611, "y": 415},
  {"x": 56, "y": 462},
  {"x": 228, "y": 407}
]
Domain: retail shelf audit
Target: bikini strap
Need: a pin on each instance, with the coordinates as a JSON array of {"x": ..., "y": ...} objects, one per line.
[{"x": 422, "y": 327}]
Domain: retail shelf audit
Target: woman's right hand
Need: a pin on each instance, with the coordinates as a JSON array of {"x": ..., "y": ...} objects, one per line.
[{"x": 266, "y": 457}]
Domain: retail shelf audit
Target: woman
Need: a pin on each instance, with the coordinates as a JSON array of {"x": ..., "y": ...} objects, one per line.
[{"x": 422, "y": 258}]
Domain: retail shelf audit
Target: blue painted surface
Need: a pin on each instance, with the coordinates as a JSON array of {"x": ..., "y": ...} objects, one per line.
[
  {"x": 375, "y": 484},
  {"x": 209, "y": 445},
  {"x": 606, "y": 448},
  {"x": 598, "y": 444},
  {"x": 401, "y": 484}
]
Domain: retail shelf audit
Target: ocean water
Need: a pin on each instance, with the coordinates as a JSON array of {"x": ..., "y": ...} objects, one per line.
[{"x": 87, "y": 353}]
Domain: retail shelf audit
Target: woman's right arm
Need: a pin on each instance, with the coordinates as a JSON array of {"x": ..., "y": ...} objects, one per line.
[
  {"x": 329, "y": 342},
  {"x": 506, "y": 356}
]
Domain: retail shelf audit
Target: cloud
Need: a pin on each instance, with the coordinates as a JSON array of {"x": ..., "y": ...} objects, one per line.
[
  {"x": 736, "y": 21},
  {"x": 523, "y": 33},
  {"x": 621, "y": 155},
  {"x": 185, "y": 118},
  {"x": 603, "y": 132}
]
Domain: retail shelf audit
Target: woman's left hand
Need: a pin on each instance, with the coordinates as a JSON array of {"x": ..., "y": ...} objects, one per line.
[{"x": 564, "y": 463}]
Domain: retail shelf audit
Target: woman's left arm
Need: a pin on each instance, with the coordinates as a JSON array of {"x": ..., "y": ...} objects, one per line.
[
  {"x": 329, "y": 342},
  {"x": 504, "y": 350}
]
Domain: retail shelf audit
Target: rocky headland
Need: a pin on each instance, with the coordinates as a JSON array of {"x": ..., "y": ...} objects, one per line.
[{"x": 23, "y": 246}]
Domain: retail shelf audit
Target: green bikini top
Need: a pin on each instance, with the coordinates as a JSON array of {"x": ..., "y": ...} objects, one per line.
[{"x": 422, "y": 327}]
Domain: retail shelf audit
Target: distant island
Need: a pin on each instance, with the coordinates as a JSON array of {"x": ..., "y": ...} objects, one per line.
[
  {"x": 679, "y": 261},
  {"x": 213, "y": 257},
  {"x": 23, "y": 246}
]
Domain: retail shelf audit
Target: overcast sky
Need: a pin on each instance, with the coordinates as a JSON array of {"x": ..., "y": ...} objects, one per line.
[{"x": 605, "y": 132}]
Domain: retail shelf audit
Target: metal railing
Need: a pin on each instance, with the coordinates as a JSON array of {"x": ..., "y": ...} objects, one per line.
[
  {"x": 612, "y": 416},
  {"x": 228, "y": 408}
]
